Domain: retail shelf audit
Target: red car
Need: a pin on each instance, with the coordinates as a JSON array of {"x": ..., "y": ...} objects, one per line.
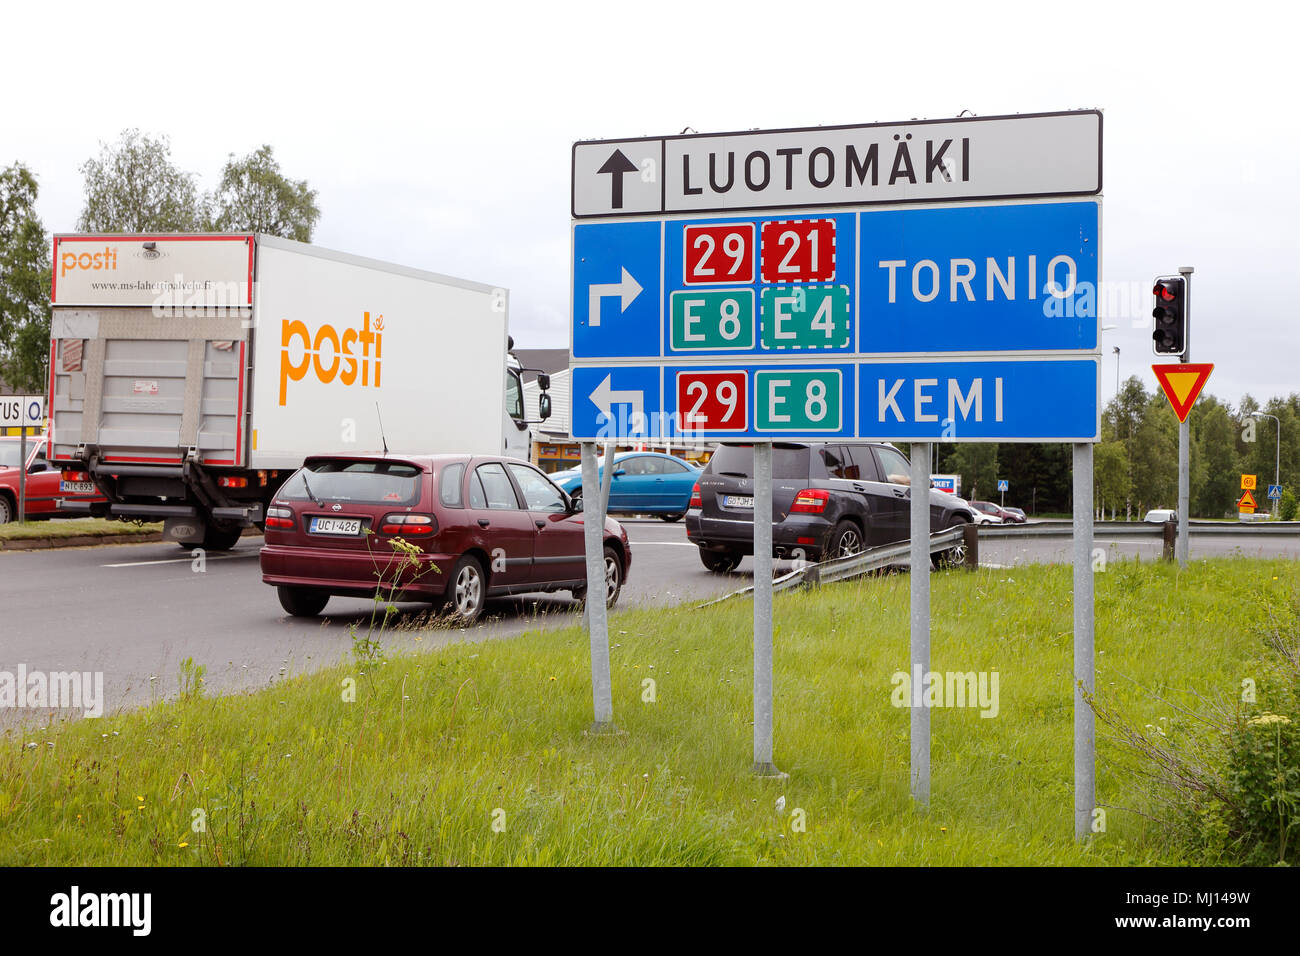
[
  {"x": 45, "y": 484},
  {"x": 484, "y": 526}
]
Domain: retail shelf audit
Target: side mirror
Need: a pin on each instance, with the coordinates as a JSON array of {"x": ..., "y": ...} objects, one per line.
[
  {"x": 544, "y": 405},
  {"x": 543, "y": 381},
  {"x": 575, "y": 504},
  {"x": 620, "y": 473},
  {"x": 36, "y": 467}
]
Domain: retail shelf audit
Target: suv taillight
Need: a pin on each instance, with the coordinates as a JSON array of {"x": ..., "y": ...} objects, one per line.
[
  {"x": 408, "y": 524},
  {"x": 810, "y": 501},
  {"x": 281, "y": 518},
  {"x": 76, "y": 476},
  {"x": 696, "y": 501}
]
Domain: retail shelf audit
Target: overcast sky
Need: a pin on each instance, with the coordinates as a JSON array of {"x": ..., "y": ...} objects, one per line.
[{"x": 438, "y": 135}]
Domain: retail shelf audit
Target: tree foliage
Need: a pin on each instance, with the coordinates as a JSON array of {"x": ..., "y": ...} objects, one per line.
[
  {"x": 254, "y": 196},
  {"x": 24, "y": 283},
  {"x": 133, "y": 186}
]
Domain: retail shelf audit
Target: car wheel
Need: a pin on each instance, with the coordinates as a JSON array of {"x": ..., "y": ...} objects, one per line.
[
  {"x": 720, "y": 562},
  {"x": 467, "y": 589},
  {"x": 955, "y": 556},
  {"x": 302, "y": 602},
  {"x": 613, "y": 577},
  {"x": 6, "y": 510},
  {"x": 673, "y": 517},
  {"x": 846, "y": 539}
]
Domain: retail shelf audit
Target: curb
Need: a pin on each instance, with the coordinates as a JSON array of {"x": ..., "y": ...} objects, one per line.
[
  {"x": 78, "y": 541},
  {"x": 91, "y": 540}
]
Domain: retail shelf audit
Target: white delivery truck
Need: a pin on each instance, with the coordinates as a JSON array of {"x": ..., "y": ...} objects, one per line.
[{"x": 190, "y": 375}]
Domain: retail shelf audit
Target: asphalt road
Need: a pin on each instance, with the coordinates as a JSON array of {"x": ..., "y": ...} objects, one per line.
[{"x": 137, "y": 611}]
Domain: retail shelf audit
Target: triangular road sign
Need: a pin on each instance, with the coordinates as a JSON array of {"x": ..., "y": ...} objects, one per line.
[
  {"x": 1247, "y": 500},
  {"x": 1182, "y": 384}
]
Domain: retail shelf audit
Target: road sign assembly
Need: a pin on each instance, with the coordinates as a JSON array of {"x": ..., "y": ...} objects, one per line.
[
  {"x": 1274, "y": 492},
  {"x": 1003, "y": 485},
  {"x": 1248, "y": 483},
  {"x": 934, "y": 280},
  {"x": 1182, "y": 384},
  {"x": 1246, "y": 502}
]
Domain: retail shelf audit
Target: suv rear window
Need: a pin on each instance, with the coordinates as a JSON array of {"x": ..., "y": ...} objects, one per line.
[
  {"x": 788, "y": 461},
  {"x": 360, "y": 482}
]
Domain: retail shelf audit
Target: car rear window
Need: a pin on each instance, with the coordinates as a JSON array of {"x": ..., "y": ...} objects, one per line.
[
  {"x": 359, "y": 482},
  {"x": 788, "y": 461},
  {"x": 449, "y": 483}
]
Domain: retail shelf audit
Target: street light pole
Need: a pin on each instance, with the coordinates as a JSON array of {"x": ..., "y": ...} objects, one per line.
[
  {"x": 1116, "y": 351},
  {"x": 1277, "y": 461}
]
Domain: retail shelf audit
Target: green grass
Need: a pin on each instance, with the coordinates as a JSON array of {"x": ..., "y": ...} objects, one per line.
[
  {"x": 73, "y": 528},
  {"x": 413, "y": 770}
]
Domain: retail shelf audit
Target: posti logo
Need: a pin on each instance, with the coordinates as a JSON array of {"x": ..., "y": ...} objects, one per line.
[
  {"x": 87, "y": 261},
  {"x": 331, "y": 355}
]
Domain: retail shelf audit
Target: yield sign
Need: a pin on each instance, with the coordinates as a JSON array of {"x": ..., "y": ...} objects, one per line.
[
  {"x": 1247, "y": 500},
  {"x": 1182, "y": 384}
]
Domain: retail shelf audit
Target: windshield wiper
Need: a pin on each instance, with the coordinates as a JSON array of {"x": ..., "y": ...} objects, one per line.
[{"x": 314, "y": 500}]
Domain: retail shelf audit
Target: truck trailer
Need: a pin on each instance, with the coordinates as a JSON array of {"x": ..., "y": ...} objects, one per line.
[{"x": 191, "y": 375}]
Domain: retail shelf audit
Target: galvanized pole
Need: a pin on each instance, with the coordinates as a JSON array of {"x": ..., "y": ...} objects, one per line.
[
  {"x": 597, "y": 620},
  {"x": 1085, "y": 744},
  {"x": 920, "y": 655},
  {"x": 1185, "y": 429},
  {"x": 763, "y": 765},
  {"x": 22, "y": 464}
]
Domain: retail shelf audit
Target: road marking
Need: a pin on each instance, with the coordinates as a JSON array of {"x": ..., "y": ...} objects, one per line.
[
  {"x": 187, "y": 560},
  {"x": 671, "y": 544}
]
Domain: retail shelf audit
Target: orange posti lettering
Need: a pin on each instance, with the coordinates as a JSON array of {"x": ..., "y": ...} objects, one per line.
[
  {"x": 329, "y": 354},
  {"x": 87, "y": 261}
]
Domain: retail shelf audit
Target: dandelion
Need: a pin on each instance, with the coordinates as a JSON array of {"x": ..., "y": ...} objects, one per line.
[{"x": 182, "y": 844}]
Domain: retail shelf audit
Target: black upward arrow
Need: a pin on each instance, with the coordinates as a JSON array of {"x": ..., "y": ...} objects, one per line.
[{"x": 616, "y": 166}]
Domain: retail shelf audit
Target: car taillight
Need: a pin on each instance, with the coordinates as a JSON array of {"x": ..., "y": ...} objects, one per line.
[
  {"x": 408, "y": 525},
  {"x": 228, "y": 482},
  {"x": 810, "y": 501},
  {"x": 696, "y": 501},
  {"x": 76, "y": 476},
  {"x": 279, "y": 518}
]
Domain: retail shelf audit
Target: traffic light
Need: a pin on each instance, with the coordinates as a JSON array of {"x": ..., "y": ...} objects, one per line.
[{"x": 1170, "y": 313}]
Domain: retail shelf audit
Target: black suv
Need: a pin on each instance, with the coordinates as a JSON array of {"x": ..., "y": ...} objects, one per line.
[{"x": 828, "y": 499}]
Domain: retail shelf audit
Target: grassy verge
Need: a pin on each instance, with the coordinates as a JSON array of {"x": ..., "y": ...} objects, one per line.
[
  {"x": 475, "y": 754},
  {"x": 73, "y": 528}
]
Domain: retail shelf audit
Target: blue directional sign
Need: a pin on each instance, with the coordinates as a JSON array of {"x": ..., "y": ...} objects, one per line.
[
  {"x": 1275, "y": 492},
  {"x": 908, "y": 322},
  {"x": 980, "y": 278},
  {"x": 616, "y": 303}
]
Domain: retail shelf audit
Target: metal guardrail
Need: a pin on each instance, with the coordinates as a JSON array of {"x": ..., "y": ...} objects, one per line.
[
  {"x": 1108, "y": 529},
  {"x": 883, "y": 556},
  {"x": 852, "y": 566}
]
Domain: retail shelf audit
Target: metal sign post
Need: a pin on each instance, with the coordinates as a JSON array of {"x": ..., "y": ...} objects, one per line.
[
  {"x": 920, "y": 630},
  {"x": 1085, "y": 745},
  {"x": 1184, "y": 435},
  {"x": 598, "y": 625},
  {"x": 22, "y": 470},
  {"x": 763, "y": 765}
]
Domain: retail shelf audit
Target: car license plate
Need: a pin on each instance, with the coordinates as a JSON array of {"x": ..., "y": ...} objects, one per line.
[
  {"x": 738, "y": 501},
  {"x": 343, "y": 526},
  {"x": 77, "y": 487}
]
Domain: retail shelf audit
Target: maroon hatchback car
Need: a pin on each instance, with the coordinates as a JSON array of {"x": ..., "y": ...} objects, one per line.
[{"x": 484, "y": 526}]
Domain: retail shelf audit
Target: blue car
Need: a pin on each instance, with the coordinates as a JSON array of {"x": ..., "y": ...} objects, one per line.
[{"x": 644, "y": 482}]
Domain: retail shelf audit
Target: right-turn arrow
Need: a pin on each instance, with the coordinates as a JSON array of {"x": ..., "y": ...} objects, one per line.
[
  {"x": 626, "y": 289},
  {"x": 616, "y": 166}
]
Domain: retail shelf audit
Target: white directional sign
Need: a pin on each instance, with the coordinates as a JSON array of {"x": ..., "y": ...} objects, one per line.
[
  {"x": 22, "y": 410},
  {"x": 994, "y": 157},
  {"x": 897, "y": 313}
]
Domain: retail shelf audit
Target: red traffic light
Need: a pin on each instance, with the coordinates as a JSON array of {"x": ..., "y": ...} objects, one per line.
[{"x": 1165, "y": 290}]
